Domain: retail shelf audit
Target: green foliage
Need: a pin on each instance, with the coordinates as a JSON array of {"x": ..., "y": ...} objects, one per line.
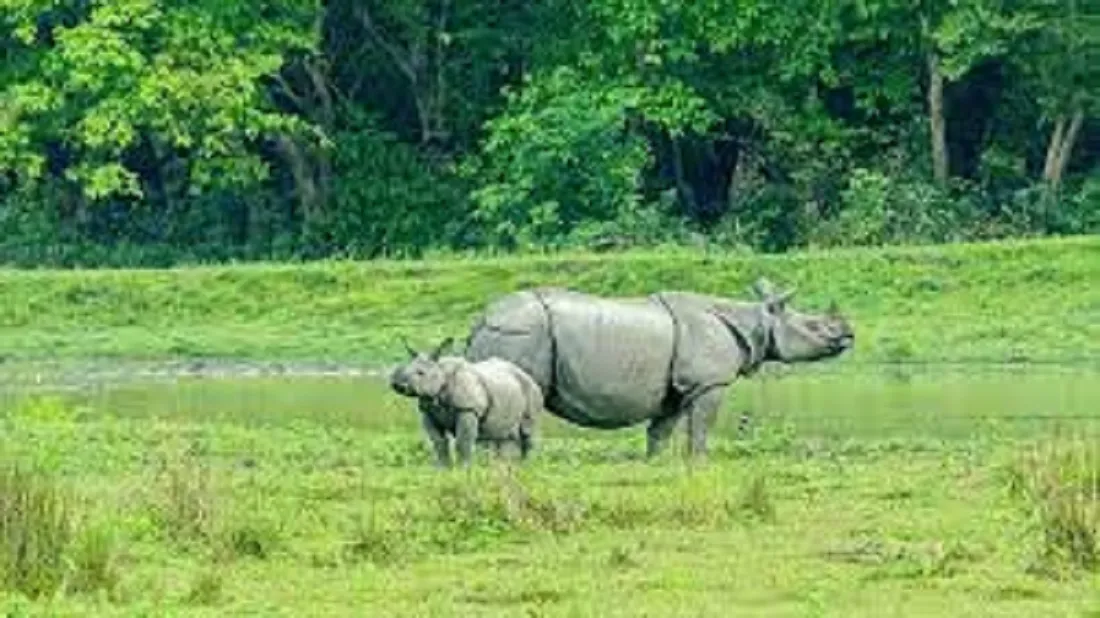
[
  {"x": 140, "y": 76},
  {"x": 562, "y": 154},
  {"x": 877, "y": 209},
  {"x": 148, "y": 133},
  {"x": 387, "y": 201}
]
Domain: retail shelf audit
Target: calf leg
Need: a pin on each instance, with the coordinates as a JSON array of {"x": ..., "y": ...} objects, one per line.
[
  {"x": 439, "y": 441},
  {"x": 701, "y": 410},
  {"x": 466, "y": 436}
]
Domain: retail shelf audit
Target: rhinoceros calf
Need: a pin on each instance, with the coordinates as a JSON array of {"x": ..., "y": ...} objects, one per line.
[
  {"x": 491, "y": 401},
  {"x": 615, "y": 362}
]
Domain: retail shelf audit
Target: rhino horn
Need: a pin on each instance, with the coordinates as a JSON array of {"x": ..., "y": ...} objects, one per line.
[
  {"x": 444, "y": 345},
  {"x": 834, "y": 309}
]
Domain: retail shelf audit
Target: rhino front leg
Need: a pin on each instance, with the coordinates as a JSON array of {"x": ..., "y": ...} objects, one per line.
[
  {"x": 439, "y": 441},
  {"x": 701, "y": 411},
  {"x": 466, "y": 437}
]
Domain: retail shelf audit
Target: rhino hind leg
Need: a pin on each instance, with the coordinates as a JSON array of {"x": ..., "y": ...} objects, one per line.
[
  {"x": 699, "y": 408},
  {"x": 660, "y": 428},
  {"x": 659, "y": 431},
  {"x": 526, "y": 443}
]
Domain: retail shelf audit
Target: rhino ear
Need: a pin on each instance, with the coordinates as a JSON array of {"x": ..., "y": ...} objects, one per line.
[
  {"x": 776, "y": 302},
  {"x": 443, "y": 346},
  {"x": 785, "y": 297},
  {"x": 834, "y": 309}
]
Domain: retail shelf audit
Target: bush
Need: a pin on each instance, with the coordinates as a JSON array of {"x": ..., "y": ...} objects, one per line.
[
  {"x": 41, "y": 550},
  {"x": 877, "y": 209},
  {"x": 36, "y": 531},
  {"x": 1060, "y": 485}
]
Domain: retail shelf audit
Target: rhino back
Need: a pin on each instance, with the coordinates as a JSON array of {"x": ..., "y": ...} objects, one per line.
[{"x": 613, "y": 358}]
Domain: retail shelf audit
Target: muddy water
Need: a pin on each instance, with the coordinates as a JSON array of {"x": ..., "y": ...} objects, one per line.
[{"x": 883, "y": 402}]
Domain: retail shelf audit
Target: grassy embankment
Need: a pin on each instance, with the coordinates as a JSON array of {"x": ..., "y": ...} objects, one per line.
[
  {"x": 1017, "y": 301},
  {"x": 317, "y": 498}
]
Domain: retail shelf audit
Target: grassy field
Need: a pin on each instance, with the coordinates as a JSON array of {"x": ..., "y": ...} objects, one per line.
[
  {"x": 1015, "y": 301},
  {"x": 884, "y": 489},
  {"x": 318, "y": 499}
]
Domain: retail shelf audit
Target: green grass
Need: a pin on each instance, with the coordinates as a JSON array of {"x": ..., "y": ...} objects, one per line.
[
  {"x": 902, "y": 489},
  {"x": 218, "y": 501},
  {"x": 1011, "y": 301}
]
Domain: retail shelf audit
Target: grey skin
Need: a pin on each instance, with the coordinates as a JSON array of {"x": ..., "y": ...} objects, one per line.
[
  {"x": 488, "y": 402},
  {"x": 610, "y": 363}
]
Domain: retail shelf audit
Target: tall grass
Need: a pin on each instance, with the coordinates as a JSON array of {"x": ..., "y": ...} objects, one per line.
[
  {"x": 35, "y": 530},
  {"x": 41, "y": 549},
  {"x": 1060, "y": 484}
]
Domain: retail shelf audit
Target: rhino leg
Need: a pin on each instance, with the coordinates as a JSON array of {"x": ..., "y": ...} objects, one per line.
[
  {"x": 439, "y": 441},
  {"x": 659, "y": 431},
  {"x": 466, "y": 436},
  {"x": 700, "y": 411},
  {"x": 526, "y": 443}
]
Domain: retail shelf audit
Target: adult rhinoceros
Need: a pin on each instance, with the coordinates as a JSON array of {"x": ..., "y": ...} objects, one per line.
[{"x": 615, "y": 362}]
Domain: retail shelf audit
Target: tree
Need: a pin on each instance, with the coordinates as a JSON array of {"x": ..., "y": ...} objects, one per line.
[
  {"x": 1062, "y": 63},
  {"x": 122, "y": 96}
]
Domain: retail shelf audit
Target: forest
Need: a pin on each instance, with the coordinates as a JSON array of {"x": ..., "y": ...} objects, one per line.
[{"x": 160, "y": 132}]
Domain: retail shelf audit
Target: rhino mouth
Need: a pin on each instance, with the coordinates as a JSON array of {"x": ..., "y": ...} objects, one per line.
[
  {"x": 402, "y": 387},
  {"x": 844, "y": 342}
]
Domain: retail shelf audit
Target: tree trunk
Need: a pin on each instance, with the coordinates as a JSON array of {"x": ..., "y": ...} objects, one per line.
[
  {"x": 1060, "y": 148},
  {"x": 416, "y": 63},
  {"x": 936, "y": 120}
]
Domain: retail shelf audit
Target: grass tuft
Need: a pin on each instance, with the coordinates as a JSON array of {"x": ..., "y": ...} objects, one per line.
[
  {"x": 184, "y": 503},
  {"x": 1060, "y": 484},
  {"x": 756, "y": 501},
  {"x": 207, "y": 588},
  {"x": 35, "y": 529},
  {"x": 42, "y": 551}
]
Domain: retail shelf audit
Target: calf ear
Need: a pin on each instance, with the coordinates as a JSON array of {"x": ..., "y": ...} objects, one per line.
[
  {"x": 408, "y": 348},
  {"x": 781, "y": 300},
  {"x": 762, "y": 288},
  {"x": 443, "y": 346}
]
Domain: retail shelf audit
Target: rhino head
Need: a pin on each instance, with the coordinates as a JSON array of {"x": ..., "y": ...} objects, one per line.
[
  {"x": 795, "y": 336},
  {"x": 421, "y": 376}
]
